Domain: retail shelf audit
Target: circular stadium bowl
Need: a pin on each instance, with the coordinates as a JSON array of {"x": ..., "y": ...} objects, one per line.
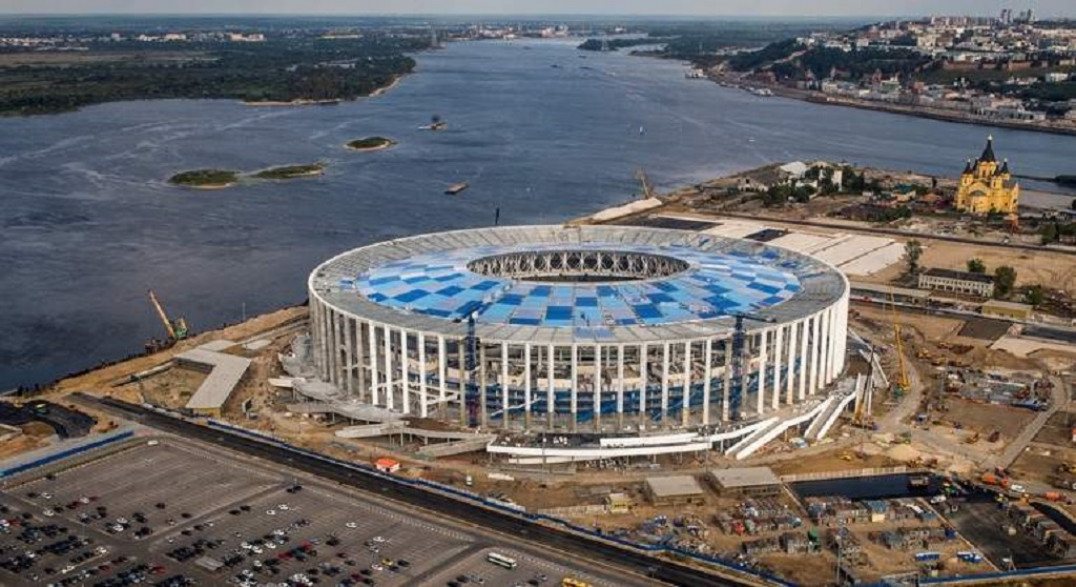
[{"x": 591, "y": 328}]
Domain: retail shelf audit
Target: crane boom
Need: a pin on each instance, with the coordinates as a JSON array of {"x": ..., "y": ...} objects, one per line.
[
  {"x": 648, "y": 190},
  {"x": 164, "y": 317},
  {"x": 903, "y": 381}
]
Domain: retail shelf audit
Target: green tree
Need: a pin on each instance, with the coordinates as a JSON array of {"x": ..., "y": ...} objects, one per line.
[
  {"x": 1004, "y": 280},
  {"x": 913, "y": 250},
  {"x": 1049, "y": 233},
  {"x": 1034, "y": 295},
  {"x": 976, "y": 266}
]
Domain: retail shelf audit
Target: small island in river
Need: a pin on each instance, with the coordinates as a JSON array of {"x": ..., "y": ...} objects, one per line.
[
  {"x": 290, "y": 171},
  {"x": 222, "y": 178},
  {"x": 370, "y": 144},
  {"x": 205, "y": 178}
]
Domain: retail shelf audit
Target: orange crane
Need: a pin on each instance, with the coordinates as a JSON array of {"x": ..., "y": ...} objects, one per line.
[
  {"x": 902, "y": 381},
  {"x": 177, "y": 329}
]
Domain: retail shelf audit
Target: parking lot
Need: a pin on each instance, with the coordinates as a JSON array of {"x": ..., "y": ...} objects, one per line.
[{"x": 174, "y": 512}]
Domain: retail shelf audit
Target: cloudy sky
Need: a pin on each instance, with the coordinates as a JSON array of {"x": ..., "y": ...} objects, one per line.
[{"x": 617, "y": 7}]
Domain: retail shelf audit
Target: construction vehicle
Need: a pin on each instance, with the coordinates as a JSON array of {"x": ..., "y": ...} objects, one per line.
[
  {"x": 996, "y": 480},
  {"x": 901, "y": 385},
  {"x": 177, "y": 329},
  {"x": 648, "y": 189},
  {"x": 1066, "y": 468},
  {"x": 739, "y": 339}
]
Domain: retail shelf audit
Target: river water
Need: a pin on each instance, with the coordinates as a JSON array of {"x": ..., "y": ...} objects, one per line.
[{"x": 539, "y": 129}]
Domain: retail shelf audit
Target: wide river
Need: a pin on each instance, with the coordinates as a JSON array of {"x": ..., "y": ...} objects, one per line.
[{"x": 538, "y": 129}]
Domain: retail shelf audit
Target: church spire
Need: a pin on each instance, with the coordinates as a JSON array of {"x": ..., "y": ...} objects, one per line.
[
  {"x": 1004, "y": 168},
  {"x": 967, "y": 167},
  {"x": 988, "y": 152}
]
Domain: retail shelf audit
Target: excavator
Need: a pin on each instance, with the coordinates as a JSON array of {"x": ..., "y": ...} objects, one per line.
[{"x": 177, "y": 329}]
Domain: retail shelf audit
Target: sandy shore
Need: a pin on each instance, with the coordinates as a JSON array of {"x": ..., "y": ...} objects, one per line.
[
  {"x": 294, "y": 103},
  {"x": 384, "y": 89}
]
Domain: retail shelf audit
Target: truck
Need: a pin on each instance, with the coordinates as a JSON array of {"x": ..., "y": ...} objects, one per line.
[{"x": 996, "y": 480}]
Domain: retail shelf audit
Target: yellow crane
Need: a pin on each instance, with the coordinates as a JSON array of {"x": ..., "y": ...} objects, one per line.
[
  {"x": 177, "y": 330},
  {"x": 648, "y": 189},
  {"x": 902, "y": 381}
]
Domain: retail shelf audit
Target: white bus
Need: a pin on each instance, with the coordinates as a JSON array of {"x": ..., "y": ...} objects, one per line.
[{"x": 501, "y": 560}]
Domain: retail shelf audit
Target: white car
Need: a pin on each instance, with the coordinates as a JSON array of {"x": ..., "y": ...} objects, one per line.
[
  {"x": 282, "y": 507},
  {"x": 270, "y": 512},
  {"x": 1018, "y": 489},
  {"x": 351, "y": 525}
]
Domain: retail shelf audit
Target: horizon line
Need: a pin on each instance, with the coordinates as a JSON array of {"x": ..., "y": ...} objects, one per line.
[{"x": 502, "y": 14}]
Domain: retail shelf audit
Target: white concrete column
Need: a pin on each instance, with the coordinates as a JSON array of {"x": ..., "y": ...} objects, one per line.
[
  {"x": 685, "y": 409},
  {"x": 405, "y": 374},
  {"x": 504, "y": 384},
  {"x": 575, "y": 385},
  {"x": 374, "y": 379},
  {"x": 620, "y": 381},
  {"x": 442, "y": 371},
  {"x": 349, "y": 358},
  {"x": 597, "y": 386},
  {"x": 644, "y": 355},
  {"x": 816, "y": 353},
  {"x": 805, "y": 329},
  {"x": 790, "y": 363},
  {"x": 777, "y": 350},
  {"x": 423, "y": 409},
  {"x": 527, "y": 385},
  {"x": 551, "y": 401},
  {"x": 665, "y": 385},
  {"x": 707, "y": 374},
  {"x": 760, "y": 394},
  {"x": 823, "y": 371},
  {"x": 389, "y": 399}
]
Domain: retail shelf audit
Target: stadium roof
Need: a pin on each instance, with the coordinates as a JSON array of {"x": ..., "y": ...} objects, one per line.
[{"x": 425, "y": 283}]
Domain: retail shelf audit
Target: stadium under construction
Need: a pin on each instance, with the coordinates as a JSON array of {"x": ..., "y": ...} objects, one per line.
[{"x": 604, "y": 330}]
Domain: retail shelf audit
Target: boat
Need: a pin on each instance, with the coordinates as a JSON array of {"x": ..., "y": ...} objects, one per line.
[
  {"x": 695, "y": 74},
  {"x": 918, "y": 481},
  {"x": 457, "y": 188}
]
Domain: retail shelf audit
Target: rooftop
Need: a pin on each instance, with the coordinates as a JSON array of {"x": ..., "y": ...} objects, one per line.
[
  {"x": 673, "y": 486},
  {"x": 554, "y": 284},
  {"x": 744, "y": 477},
  {"x": 961, "y": 275}
]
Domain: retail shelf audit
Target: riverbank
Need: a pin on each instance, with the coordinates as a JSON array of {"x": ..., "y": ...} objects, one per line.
[{"x": 815, "y": 97}]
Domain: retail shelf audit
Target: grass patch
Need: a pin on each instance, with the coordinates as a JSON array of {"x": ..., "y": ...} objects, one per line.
[
  {"x": 290, "y": 171},
  {"x": 369, "y": 143},
  {"x": 204, "y": 178}
]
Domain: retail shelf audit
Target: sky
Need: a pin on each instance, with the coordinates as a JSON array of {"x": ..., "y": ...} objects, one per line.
[{"x": 595, "y": 7}]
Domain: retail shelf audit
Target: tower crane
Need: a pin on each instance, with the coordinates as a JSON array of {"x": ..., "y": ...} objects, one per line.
[
  {"x": 739, "y": 339},
  {"x": 902, "y": 381},
  {"x": 472, "y": 394},
  {"x": 177, "y": 329}
]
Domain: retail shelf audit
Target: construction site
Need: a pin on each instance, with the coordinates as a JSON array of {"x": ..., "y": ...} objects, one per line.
[{"x": 931, "y": 437}]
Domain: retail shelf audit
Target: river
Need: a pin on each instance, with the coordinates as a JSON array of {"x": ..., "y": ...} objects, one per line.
[{"x": 539, "y": 129}]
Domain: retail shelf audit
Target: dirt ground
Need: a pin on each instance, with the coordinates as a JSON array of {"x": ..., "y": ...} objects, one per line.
[
  {"x": 842, "y": 461},
  {"x": 34, "y": 435},
  {"x": 101, "y": 379},
  {"x": 986, "y": 418},
  {"x": 172, "y": 388},
  {"x": 1040, "y": 464},
  {"x": 1058, "y": 430}
]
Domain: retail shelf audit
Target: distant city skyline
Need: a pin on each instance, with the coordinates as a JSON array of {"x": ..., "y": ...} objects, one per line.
[{"x": 769, "y": 8}]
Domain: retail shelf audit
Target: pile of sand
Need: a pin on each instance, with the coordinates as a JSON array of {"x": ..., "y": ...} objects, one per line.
[{"x": 903, "y": 452}]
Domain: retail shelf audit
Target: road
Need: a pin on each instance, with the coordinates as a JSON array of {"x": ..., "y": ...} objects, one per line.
[{"x": 622, "y": 558}]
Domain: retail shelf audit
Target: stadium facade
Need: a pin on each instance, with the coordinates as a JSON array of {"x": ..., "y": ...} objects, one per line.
[{"x": 588, "y": 328}]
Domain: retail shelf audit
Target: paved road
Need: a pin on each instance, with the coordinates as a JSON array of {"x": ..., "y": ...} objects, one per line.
[
  {"x": 1059, "y": 400},
  {"x": 608, "y": 553}
]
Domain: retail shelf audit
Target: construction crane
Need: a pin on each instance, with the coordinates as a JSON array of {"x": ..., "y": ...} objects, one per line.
[
  {"x": 739, "y": 340},
  {"x": 471, "y": 394},
  {"x": 648, "y": 189},
  {"x": 902, "y": 380},
  {"x": 177, "y": 329}
]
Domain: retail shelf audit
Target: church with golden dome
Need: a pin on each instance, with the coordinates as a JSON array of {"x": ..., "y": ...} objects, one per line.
[{"x": 986, "y": 186}]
